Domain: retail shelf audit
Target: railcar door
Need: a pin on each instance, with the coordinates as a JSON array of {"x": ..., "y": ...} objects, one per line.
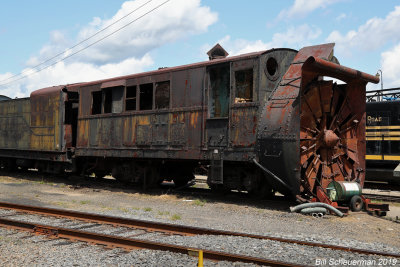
[
  {"x": 218, "y": 118},
  {"x": 71, "y": 119}
]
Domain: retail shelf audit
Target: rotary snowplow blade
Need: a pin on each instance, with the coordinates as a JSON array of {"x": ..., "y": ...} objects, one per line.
[{"x": 313, "y": 126}]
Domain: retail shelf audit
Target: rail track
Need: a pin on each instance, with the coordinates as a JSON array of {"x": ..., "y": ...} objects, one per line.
[
  {"x": 165, "y": 228},
  {"x": 381, "y": 197}
]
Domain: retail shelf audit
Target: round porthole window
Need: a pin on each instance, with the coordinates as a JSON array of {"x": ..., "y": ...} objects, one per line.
[{"x": 271, "y": 69}]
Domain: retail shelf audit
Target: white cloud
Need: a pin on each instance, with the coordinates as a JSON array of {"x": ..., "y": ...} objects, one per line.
[
  {"x": 391, "y": 67},
  {"x": 294, "y": 37},
  {"x": 13, "y": 90},
  {"x": 172, "y": 21},
  {"x": 301, "y": 8},
  {"x": 64, "y": 73},
  {"x": 372, "y": 35},
  {"x": 124, "y": 52},
  {"x": 341, "y": 17}
]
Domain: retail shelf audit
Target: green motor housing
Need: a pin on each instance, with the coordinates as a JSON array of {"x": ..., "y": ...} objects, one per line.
[{"x": 342, "y": 191}]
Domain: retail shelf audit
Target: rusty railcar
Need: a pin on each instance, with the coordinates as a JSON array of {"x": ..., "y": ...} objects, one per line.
[
  {"x": 261, "y": 122},
  {"x": 35, "y": 132},
  {"x": 161, "y": 124}
]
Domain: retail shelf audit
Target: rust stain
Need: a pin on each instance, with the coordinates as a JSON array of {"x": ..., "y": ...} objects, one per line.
[
  {"x": 193, "y": 119},
  {"x": 143, "y": 120}
]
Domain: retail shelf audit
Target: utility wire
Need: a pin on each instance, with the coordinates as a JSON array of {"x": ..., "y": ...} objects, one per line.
[
  {"x": 86, "y": 47},
  {"x": 90, "y": 37}
]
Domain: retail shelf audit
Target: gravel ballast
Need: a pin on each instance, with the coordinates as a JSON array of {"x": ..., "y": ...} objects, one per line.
[{"x": 358, "y": 230}]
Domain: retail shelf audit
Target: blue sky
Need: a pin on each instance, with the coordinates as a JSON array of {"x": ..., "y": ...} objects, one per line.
[{"x": 366, "y": 33}]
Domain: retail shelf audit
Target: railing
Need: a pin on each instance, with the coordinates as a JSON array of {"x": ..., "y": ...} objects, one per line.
[{"x": 383, "y": 95}]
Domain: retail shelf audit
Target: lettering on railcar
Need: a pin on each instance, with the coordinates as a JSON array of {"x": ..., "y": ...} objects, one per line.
[{"x": 372, "y": 119}]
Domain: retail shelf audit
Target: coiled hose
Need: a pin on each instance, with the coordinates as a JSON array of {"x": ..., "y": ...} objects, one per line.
[{"x": 315, "y": 205}]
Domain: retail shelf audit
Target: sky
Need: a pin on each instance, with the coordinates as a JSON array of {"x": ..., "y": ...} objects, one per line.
[{"x": 46, "y": 43}]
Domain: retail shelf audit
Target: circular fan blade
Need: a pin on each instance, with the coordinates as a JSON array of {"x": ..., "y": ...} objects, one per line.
[
  {"x": 329, "y": 128},
  {"x": 312, "y": 98},
  {"x": 326, "y": 93}
]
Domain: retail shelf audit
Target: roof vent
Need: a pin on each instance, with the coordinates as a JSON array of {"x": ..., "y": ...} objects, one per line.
[{"x": 217, "y": 52}]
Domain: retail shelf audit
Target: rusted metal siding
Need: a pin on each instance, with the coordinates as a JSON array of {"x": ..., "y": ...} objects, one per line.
[
  {"x": 47, "y": 119},
  {"x": 178, "y": 127},
  {"x": 14, "y": 124},
  {"x": 244, "y": 122},
  {"x": 244, "y": 112},
  {"x": 179, "y": 131}
]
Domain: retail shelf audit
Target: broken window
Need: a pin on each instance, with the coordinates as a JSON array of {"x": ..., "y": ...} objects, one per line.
[
  {"x": 146, "y": 96},
  {"x": 162, "y": 95},
  {"x": 244, "y": 86},
  {"x": 113, "y": 99},
  {"x": 107, "y": 100},
  {"x": 220, "y": 90},
  {"x": 96, "y": 102},
  {"x": 130, "y": 102},
  {"x": 117, "y": 98}
]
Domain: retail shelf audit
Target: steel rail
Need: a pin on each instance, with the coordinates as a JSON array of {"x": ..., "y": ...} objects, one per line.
[
  {"x": 130, "y": 244},
  {"x": 383, "y": 197},
  {"x": 175, "y": 229}
]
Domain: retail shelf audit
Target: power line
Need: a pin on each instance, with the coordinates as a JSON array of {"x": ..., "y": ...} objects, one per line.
[
  {"x": 90, "y": 37},
  {"x": 86, "y": 47}
]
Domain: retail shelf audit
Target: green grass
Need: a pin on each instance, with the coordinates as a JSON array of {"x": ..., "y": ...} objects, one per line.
[
  {"x": 84, "y": 202},
  {"x": 161, "y": 213},
  {"x": 125, "y": 210},
  {"x": 176, "y": 217},
  {"x": 147, "y": 209},
  {"x": 62, "y": 204},
  {"x": 44, "y": 182},
  {"x": 199, "y": 202}
]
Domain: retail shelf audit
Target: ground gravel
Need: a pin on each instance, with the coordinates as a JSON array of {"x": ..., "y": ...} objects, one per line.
[{"x": 227, "y": 212}]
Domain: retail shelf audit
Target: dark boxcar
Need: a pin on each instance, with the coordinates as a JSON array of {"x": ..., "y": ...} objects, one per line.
[{"x": 34, "y": 133}]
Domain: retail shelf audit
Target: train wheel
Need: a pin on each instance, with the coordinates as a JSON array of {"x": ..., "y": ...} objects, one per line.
[{"x": 330, "y": 134}]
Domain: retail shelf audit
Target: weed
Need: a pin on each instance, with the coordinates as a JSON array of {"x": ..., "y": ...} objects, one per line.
[
  {"x": 147, "y": 209},
  {"x": 199, "y": 202},
  {"x": 84, "y": 202},
  {"x": 161, "y": 213},
  {"x": 176, "y": 217},
  {"x": 62, "y": 204},
  {"x": 125, "y": 210}
]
